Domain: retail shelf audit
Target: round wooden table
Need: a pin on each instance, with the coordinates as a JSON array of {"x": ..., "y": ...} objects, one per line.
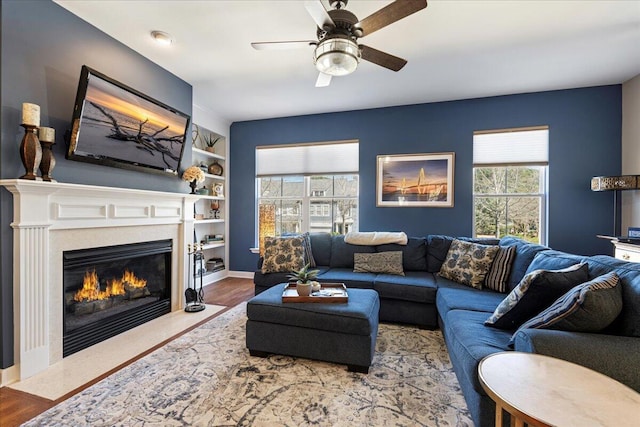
[{"x": 544, "y": 391}]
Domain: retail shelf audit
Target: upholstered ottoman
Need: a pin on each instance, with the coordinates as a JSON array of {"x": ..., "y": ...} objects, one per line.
[{"x": 333, "y": 332}]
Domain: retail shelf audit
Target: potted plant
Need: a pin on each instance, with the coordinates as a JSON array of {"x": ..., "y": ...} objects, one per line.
[
  {"x": 304, "y": 279},
  {"x": 210, "y": 142}
]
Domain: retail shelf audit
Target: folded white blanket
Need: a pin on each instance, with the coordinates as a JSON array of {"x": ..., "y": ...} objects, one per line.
[{"x": 375, "y": 238}]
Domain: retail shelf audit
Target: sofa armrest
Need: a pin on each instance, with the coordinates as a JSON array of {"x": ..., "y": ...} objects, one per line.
[{"x": 612, "y": 355}]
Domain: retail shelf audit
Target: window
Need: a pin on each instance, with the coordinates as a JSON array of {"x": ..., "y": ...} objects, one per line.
[
  {"x": 310, "y": 201},
  {"x": 510, "y": 183},
  {"x": 299, "y": 208}
]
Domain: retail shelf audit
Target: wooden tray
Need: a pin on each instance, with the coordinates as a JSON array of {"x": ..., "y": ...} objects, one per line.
[{"x": 333, "y": 293}]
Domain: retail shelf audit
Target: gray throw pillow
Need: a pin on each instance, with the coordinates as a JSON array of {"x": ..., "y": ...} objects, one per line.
[
  {"x": 535, "y": 292},
  {"x": 588, "y": 307},
  {"x": 380, "y": 262}
]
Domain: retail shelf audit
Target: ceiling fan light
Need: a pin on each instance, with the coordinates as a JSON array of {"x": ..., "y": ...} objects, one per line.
[{"x": 337, "y": 56}]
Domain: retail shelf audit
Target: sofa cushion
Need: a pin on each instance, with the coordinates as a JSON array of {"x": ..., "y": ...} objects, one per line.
[
  {"x": 454, "y": 296},
  {"x": 416, "y": 286},
  {"x": 348, "y": 277},
  {"x": 342, "y": 252},
  {"x": 321, "y": 247},
  {"x": 379, "y": 262},
  {"x": 283, "y": 254},
  {"x": 469, "y": 341},
  {"x": 525, "y": 251},
  {"x": 550, "y": 259},
  {"x": 414, "y": 253},
  {"x": 498, "y": 275},
  {"x": 628, "y": 323},
  {"x": 468, "y": 263},
  {"x": 535, "y": 292},
  {"x": 588, "y": 307}
]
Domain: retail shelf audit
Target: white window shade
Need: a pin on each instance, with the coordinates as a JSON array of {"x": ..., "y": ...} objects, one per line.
[
  {"x": 308, "y": 159},
  {"x": 511, "y": 147}
]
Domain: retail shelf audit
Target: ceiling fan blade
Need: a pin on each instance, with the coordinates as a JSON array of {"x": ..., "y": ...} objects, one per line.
[
  {"x": 389, "y": 14},
  {"x": 383, "y": 59},
  {"x": 323, "y": 80},
  {"x": 319, "y": 14},
  {"x": 283, "y": 45}
]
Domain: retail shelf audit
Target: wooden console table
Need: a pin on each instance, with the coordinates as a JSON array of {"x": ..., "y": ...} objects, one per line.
[{"x": 539, "y": 390}]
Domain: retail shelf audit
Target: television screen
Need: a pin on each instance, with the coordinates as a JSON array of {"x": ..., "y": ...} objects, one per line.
[{"x": 115, "y": 125}]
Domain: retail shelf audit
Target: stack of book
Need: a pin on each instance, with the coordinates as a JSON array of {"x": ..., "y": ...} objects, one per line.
[{"x": 215, "y": 264}]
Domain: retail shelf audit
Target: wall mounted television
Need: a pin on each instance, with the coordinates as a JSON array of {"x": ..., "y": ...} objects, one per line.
[{"x": 115, "y": 125}]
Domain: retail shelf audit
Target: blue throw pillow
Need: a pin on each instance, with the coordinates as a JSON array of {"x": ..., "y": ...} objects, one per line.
[
  {"x": 589, "y": 307},
  {"x": 535, "y": 292}
]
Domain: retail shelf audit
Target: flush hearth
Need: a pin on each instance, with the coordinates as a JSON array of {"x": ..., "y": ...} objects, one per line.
[{"x": 108, "y": 290}]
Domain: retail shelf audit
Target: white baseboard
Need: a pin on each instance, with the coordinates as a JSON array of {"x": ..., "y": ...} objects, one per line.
[
  {"x": 9, "y": 375},
  {"x": 241, "y": 274}
]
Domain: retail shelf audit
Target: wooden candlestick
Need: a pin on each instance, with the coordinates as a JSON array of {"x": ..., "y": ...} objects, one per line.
[
  {"x": 30, "y": 152},
  {"x": 48, "y": 161}
]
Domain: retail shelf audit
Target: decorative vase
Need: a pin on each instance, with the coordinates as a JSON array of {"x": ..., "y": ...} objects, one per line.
[
  {"x": 303, "y": 289},
  {"x": 210, "y": 149},
  {"x": 193, "y": 185}
]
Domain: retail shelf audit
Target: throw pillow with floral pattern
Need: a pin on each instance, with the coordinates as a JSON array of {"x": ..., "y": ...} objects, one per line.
[
  {"x": 468, "y": 263},
  {"x": 283, "y": 255}
]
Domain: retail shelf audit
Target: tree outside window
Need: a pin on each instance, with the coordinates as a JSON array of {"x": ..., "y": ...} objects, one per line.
[{"x": 509, "y": 200}]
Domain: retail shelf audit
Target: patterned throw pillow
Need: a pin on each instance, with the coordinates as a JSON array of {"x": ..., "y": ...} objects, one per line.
[
  {"x": 498, "y": 275},
  {"x": 379, "y": 262},
  {"x": 535, "y": 292},
  {"x": 283, "y": 254},
  {"x": 308, "y": 254},
  {"x": 468, "y": 263},
  {"x": 589, "y": 307}
]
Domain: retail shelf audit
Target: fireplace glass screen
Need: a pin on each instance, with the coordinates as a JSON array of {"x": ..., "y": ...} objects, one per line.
[{"x": 108, "y": 290}]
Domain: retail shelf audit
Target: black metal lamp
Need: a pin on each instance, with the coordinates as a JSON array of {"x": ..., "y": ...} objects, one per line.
[{"x": 615, "y": 184}]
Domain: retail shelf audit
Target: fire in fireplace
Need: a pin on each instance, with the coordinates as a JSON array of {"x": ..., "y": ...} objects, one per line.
[{"x": 108, "y": 290}]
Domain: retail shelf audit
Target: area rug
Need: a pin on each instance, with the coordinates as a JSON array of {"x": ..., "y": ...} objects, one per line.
[{"x": 207, "y": 378}]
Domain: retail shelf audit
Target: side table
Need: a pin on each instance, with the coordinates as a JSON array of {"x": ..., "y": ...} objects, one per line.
[{"x": 544, "y": 391}]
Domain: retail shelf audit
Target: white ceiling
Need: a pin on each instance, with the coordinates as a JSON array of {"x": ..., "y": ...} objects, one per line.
[{"x": 456, "y": 49}]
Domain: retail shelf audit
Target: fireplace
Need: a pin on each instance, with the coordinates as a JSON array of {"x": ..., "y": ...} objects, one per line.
[
  {"x": 53, "y": 218},
  {"x": 108, "y": 290}
]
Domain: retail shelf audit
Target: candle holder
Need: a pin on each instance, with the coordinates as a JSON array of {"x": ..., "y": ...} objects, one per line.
[
  {"x": 48, "y": 160},
  {"x": 30, "y": 152}
]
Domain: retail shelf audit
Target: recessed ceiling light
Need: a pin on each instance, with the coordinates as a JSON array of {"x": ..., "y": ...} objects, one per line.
[{"x": 161, "y": 37}]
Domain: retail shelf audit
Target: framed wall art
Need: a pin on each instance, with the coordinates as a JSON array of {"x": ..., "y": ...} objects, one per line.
[{"x": 415, "y": 180}]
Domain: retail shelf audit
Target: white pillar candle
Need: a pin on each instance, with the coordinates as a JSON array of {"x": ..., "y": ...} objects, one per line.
[
  {"x": 47, "y": 134},
  {"x": 30, "y": 114}
]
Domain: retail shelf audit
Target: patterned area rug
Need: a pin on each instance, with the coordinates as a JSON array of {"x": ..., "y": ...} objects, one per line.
[{"x": 207, "y": 378}]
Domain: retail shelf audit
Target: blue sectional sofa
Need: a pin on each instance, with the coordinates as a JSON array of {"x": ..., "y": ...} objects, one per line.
[{"x": 421, "y": 297}]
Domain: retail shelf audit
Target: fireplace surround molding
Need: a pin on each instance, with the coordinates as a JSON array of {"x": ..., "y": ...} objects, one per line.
[{"x": 51, "y": 217}]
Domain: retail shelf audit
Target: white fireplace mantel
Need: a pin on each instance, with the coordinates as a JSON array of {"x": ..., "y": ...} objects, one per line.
[{"x": 45, "y": 209}]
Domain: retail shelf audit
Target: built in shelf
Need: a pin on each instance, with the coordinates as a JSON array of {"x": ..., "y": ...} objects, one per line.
[
  {"x": 212, "y": 176},
  {"x": 209, "y": 221},
  {"x": 213, "y": 245},
  {"x": 208, "y": 153}
]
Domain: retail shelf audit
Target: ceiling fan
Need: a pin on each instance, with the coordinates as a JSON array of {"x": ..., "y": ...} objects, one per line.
[{"x": 337, "y": 52}]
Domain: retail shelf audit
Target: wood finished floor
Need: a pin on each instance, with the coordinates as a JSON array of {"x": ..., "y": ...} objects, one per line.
[{"x": 16, "y": 407}]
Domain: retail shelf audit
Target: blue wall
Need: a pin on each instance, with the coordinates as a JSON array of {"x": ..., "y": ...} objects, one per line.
[
  {"x": 584, "y": 140},
  {"x": 43, "y": 48}
]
